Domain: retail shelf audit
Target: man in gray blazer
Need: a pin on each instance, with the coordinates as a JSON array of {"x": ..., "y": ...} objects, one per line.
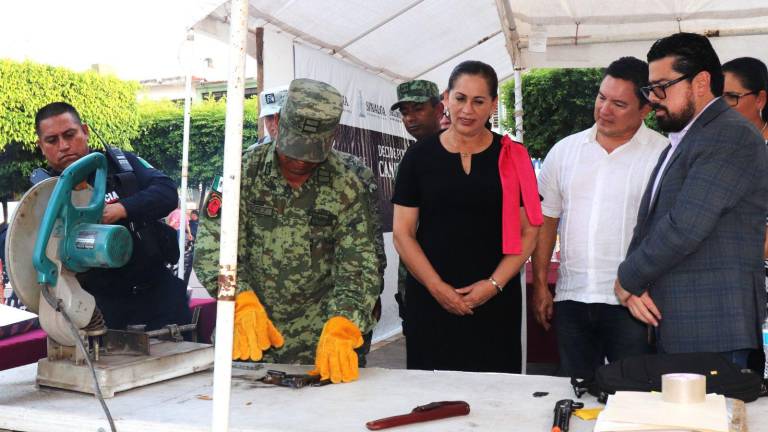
[{"x": 694, "y": 267}]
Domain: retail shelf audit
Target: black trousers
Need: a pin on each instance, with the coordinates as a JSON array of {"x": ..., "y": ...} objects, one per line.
[{"x": 159, "y": 302}]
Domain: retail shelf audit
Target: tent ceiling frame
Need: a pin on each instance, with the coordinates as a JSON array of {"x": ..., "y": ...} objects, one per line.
[
  {"x": 382, "y": 23},
  {"x": 302, "y": 36},
  {"x": 514, "y": 43},
  {"x": 592, "y": 40},
  {"x": 453, "y": 56},
  {"x": 565, "y": 20}
]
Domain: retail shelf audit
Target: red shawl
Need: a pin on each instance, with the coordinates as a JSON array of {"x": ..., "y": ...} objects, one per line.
[{"x": 517, "y": 178}]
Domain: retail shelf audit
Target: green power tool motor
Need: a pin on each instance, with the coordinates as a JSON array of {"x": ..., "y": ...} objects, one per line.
[{"x": 86, "y": 243}]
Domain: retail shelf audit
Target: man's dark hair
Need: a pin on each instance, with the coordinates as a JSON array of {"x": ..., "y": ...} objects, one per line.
[
  {"x": 474, "y": 67},
  {"x": 752, "y": 75},
  {"x": 633, "y": 70},
  {"x": 54, "y": 109},
  {"x": 434, "y": 100},
  {"x": 693, "y": 53}
]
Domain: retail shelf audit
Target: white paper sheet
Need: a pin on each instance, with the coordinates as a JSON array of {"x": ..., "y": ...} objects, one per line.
[{"x": 640, "y": 411}]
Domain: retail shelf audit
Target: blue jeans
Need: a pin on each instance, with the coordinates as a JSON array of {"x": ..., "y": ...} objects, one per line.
[
  {"x": 590, "y": 333},
  {"x": 739, "y": 357}
]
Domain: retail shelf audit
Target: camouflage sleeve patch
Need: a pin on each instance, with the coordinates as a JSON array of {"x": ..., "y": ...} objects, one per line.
[{"x": 212, "y": 205}]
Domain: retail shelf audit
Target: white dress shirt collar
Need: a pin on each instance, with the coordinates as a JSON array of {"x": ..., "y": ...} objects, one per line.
[{"x": 676, "y": 137}]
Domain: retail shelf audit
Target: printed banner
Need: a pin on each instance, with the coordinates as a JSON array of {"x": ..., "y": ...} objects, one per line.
[{"x": 369, "y": 130}]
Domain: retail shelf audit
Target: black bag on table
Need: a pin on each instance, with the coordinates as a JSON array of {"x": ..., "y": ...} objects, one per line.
[{"x": 643, "y": 373}]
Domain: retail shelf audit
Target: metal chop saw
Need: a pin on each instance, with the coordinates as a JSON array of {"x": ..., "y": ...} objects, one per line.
[{"x": 55, "y": 233}]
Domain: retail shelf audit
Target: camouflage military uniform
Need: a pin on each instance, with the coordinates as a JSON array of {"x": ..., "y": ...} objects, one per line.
[
  {"x": 370, "y": 188},
  {"x": 309, "y": 254}
]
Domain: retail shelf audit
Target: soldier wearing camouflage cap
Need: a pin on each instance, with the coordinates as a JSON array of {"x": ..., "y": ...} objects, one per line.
[
  {"x": 420, "y": 107},
  {"x": 310, "y": 271}
]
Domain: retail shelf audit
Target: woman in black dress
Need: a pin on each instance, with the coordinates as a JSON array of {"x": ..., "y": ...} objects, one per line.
[{"x": 462, "y": 292}]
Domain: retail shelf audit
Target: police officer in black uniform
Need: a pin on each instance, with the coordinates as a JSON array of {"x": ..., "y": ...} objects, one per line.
[{"x": 144, "y": 291}]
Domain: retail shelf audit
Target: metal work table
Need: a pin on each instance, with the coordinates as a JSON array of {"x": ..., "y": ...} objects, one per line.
[{"x": 498, "y": 402}]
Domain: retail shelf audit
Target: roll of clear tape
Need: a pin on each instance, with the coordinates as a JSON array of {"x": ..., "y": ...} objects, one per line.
[{"x": 683, "y": 388}]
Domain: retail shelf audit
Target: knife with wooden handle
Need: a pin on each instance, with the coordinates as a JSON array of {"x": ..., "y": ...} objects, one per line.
[{"x": 431, "y": 411}]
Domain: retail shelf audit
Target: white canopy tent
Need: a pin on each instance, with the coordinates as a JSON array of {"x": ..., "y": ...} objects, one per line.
[
  {"x": 401, "y": 40},
  {"x": 406, "y": 39}
]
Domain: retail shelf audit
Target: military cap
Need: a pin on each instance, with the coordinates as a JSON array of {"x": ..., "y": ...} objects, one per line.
[
  {"x": 271, "y": 100},
  {"x": 415, "y": 91},
  {"x": 308, "y": 120}
]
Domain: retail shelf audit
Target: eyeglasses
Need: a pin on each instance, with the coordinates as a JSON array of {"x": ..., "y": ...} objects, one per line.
[
  {"x": 660, "y": 90},
  {"x": 733, "y": 98}
]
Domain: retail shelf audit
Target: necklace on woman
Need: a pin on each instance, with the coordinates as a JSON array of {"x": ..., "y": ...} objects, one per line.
[{"x": 463, "y": 154}]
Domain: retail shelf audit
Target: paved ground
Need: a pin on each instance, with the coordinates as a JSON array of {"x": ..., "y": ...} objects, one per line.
[{"x": 390, "y": 353}]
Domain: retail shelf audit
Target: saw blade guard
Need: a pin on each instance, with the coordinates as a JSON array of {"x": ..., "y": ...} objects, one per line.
[{"x": 87, "y": 243}]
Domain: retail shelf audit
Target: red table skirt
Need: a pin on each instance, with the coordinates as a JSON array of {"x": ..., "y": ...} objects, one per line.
[
  {"x": 31, "y": 346},
  {"x": 542, "y": 344}
]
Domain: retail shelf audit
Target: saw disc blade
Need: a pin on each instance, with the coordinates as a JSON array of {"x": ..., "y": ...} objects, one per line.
[{"x": 22, "y": 234}]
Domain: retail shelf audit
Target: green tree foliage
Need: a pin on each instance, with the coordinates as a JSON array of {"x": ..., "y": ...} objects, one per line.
[
  {"x": 556, "y": 103},
  {"x": 16, "y": 163},
  {"x": 160, "y": 137},
  {"x": 104, "y": 102}
]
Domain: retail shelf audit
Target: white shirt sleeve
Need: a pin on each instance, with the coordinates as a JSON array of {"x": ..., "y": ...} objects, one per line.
[{"x": 549, "y": 184}]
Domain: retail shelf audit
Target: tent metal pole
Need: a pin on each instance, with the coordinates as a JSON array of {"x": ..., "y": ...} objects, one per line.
[
  {"x": 523, "y": 287},
  {"x": 187, "y": 58},
  {"x": 518, "y": 105},
  {"x": 230, "y": 214},
  {"x": 511, "y": 37},
  {"x": 511, "y": 40}
]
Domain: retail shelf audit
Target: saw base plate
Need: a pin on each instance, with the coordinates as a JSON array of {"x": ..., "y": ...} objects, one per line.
[{"x": 120, "y": 372}]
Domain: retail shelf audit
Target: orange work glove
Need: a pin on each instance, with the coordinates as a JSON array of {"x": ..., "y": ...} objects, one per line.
[
  {"x": 254, "y": 331},
  {"x": 336, "y": 357}
]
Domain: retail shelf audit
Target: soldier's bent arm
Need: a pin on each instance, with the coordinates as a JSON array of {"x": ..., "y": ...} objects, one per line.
[
  {"x": 206, "y": 260},
  {"x": 208, "y": 240},
  {"x": 356, "y": 276}
]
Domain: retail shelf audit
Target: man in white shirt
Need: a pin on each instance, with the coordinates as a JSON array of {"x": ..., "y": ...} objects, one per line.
[{"x": 592, "y": 183}]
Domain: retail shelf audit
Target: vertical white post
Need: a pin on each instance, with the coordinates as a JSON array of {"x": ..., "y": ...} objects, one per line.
[
  {"x": 523, "y": 288},
  {"x": 518, "y": 105},
  {"x": 230, "y": 214},
  {"x": 187, "y": 58}
]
